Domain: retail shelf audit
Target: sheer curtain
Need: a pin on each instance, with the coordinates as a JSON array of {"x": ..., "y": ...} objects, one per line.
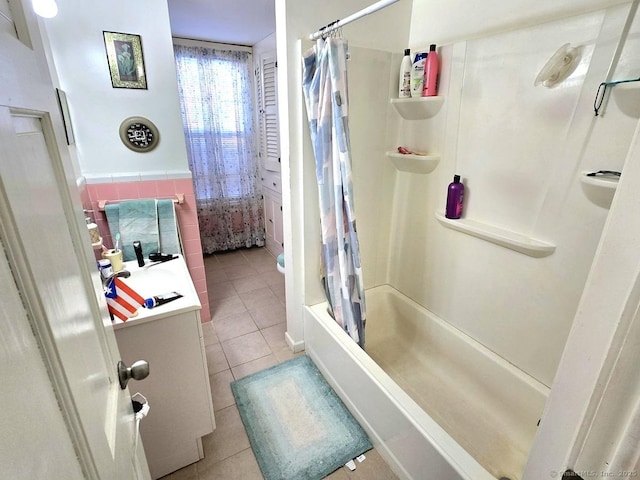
[{"x": 217, "y": 114}]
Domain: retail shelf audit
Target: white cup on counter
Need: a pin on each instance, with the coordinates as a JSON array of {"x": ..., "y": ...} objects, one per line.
[{"x": 115, "y": 257}]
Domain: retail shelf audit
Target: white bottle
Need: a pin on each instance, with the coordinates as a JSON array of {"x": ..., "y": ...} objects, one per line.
[
  {"x": 417, "y": 74},
  {"x": 404, "y": 90}
]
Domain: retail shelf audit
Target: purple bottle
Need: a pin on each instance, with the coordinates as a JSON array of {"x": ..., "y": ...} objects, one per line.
[{"x": 455, "y": 196}]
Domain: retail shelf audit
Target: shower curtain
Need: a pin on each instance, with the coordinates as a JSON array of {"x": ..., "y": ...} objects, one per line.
[{"x": 325, "y": 89}]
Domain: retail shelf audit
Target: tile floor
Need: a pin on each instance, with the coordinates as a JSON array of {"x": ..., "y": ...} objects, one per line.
[{"x": 245, "y": 335}]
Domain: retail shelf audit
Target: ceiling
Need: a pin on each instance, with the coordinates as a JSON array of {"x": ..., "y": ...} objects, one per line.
[{"x": 239, "y": 22}]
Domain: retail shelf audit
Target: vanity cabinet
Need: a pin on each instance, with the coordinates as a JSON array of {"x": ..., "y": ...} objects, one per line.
[{"x": 177, "y": 389}]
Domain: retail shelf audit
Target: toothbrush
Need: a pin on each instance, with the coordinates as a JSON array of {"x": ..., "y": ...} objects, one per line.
[{"x": 117, "y": 241}]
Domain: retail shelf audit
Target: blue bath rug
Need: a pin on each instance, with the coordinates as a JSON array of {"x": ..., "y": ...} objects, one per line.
[{"x": 297, "y": 426}]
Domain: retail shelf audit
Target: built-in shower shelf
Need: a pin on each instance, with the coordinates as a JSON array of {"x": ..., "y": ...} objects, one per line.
[
  {"x": 414, "y": 163},
  {"x": 417, "y": 108},
  {"x": 505, "y": 238},
  {"x": 599, "y": 189}
]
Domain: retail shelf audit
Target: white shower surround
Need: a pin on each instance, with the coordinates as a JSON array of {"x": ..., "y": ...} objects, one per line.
[
  {"x": 519, "y": 149},
  {"x": 433, "y": 400},
  {"x": 449, "y": 272}
]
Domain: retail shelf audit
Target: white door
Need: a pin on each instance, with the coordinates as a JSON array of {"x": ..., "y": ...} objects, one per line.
[
  {"x": 24, "y": 453},
  {"x": 61, "y": 328}
]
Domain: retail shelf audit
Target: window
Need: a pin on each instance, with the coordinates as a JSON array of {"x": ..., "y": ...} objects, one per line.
[{"x": 217, "y": 112}]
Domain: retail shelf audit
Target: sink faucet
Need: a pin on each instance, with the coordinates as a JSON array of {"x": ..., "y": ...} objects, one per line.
[{"x": 121, "y": 273}]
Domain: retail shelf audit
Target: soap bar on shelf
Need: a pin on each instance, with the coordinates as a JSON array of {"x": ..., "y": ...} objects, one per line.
[
  {"x": 410, "y": 162},
  {"x": 406, "y": 151}
]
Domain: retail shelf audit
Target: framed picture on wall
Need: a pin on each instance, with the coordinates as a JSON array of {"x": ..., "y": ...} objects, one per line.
[{"x": 126, "y": 63}]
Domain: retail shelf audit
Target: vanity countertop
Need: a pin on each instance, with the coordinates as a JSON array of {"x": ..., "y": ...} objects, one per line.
[{"x": 157, "y": 279}]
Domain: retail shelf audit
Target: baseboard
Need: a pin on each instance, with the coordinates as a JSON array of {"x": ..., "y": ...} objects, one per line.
[{"x": 294, "y": 346}]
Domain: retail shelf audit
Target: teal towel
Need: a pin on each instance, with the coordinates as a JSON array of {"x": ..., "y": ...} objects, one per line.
[
  {"x": 136, "y": 220},
  {"x": 168, "y": 227}
]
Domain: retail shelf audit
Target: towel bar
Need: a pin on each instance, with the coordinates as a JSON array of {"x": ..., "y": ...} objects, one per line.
[{"x": 101, "y": 203}]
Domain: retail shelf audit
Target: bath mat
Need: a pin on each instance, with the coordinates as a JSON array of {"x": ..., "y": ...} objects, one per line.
[{"x": 297, "y": 426}]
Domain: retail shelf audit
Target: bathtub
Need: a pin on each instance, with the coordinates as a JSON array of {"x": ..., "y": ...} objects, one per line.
[{"x": 436, "y": 404}]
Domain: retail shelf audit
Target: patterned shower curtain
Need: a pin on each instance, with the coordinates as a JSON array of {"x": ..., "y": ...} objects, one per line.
[{"x": 325, "y": 88}]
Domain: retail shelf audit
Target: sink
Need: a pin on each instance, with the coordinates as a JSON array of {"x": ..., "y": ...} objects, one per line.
[{"x": 157, "y": 279}]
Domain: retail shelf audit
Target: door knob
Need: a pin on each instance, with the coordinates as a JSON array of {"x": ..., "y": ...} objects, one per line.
[{"x": 138, "y": 371}]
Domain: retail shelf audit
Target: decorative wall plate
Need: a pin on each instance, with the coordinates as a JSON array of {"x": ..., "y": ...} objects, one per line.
[{"x": 139, "y": 134}]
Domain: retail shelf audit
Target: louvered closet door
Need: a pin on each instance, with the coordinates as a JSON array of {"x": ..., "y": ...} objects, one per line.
[{"x": 270, "y": 141}]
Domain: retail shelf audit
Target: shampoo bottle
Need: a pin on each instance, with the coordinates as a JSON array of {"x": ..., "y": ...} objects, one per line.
[
  {"x": 455, "y": 196},
  {"x": 431, "y": 73},
  {"x": 404, "y": 90},
  {"x": 417, "y": 74}
]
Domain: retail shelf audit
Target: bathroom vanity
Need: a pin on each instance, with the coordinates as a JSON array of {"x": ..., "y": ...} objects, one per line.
[{"x": 177, "y": 389}]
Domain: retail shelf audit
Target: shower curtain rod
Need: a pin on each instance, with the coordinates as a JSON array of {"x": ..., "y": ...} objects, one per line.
[{"x": 351, "y": 18}]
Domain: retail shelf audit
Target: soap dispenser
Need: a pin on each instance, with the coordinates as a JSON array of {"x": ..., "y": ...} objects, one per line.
[
  {"x": 94, "y": 233},
  {"x": 455, "y": 197}
]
